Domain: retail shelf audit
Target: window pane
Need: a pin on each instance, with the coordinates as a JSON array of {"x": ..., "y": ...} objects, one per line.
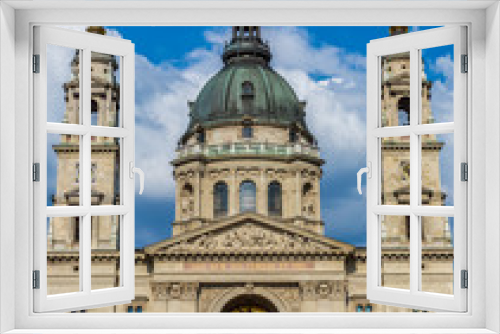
[
  {"x": 105, "y": 252},
  {"x": 395, "y": 251},
  {"x": 437, "y": 266},
  {"x": 105, "y": 103},
  {"x": 247, "y": 196},
  {"x": 63, "y": 170},
  {"x": 63, "y": 84},
  {"x": 437, "y": 169},
  {"x": 274, "y": 199},
  {"x": 63, "y": 255},
  {"x": 437, "y": 85},
  {"x": 220, "y": 199},
  {"x": 247, "y": 132},
  {"x": 395, "y": 90},
  {"x": 395, "y": 170},
  {"x": 105, "y": 171}
]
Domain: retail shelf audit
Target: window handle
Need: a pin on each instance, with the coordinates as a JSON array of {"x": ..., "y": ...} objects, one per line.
[
  {"x": 134, "y": 170},
  {"x": 368, "y": 171}
]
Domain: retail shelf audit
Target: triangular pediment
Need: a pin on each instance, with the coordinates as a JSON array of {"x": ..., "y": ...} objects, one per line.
[{"x": 250, "y": 234}]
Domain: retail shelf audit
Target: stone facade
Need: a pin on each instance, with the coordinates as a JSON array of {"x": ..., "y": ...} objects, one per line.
[{"x": 234, "y": 260}]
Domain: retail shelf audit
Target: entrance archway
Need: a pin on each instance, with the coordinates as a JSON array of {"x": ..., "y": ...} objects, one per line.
[
  {"x": 249, "y": 303},
  {"x": 261, "y": 298}
]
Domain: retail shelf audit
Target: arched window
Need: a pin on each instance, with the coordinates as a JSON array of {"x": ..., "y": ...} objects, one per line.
[
  {"x": 76, "y": 229},
  {"x": 247, "y": 132},
  {"x": 187, "y": 190},
  {"x": 404, "y": 111},
  {"x": 93, "y": 112},
  {"x": 274, "y": 199},
  {"x": 187, "y": 201},
  {"x": 200, "y": 136},
  {"x": 308, "y": 203},
  {"x": 247, "y": 89},
  {"x": 220, "y": 199},
  {"x": 248, "y": 194},
  {"x": 306, "y": 189}
]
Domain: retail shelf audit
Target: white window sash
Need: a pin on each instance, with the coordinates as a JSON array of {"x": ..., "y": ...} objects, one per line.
[
  {"x": 418, "y": 14},
  {"x": 86, "y": 43},
  {"x": 412, "y": 43}
]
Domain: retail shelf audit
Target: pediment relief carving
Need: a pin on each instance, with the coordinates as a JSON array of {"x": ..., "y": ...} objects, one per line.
[{"x": 250, "y": 237}]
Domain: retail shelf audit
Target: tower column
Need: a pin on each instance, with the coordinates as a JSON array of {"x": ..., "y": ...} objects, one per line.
[
  {"x": 198, "y": 195},
  {"x": 298, "y": 211},
  {"x": 262, "y": 194},
  {"x": 233, "y": 194}
]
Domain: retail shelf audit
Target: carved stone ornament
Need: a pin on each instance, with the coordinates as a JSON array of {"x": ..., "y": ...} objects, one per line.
[
  {"x": 314, "y": 290},
  {"x": 250, "y": 237},
  {"x": 176, "y": 290}
]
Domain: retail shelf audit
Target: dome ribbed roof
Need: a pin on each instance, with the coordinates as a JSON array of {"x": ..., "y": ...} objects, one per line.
[{"x": 246, "y": 88}]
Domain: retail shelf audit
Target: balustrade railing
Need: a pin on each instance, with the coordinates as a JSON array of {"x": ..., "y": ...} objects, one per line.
[{"x": 247, "y": 149}]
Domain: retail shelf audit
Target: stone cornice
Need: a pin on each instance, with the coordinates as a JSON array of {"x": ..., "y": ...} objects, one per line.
[
  {"x": 95, "y": 148},
  {"x": 232, "y": 157},
  {"x": 432, "y": 145}
]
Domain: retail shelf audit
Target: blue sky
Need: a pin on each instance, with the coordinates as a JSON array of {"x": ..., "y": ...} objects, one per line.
[{"x": 327, "y": 68}]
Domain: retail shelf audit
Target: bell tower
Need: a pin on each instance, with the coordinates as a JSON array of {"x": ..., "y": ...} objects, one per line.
[
  {"x": 395, "y": 111},
  {"x": 64, "y": 233}
]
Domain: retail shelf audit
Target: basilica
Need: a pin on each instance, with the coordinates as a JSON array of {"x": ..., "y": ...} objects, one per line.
[{"x": 248, "y": 235}]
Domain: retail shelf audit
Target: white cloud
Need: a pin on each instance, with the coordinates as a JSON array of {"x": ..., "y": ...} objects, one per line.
[
  {"x": 336, "y": 106},
  {"x": 162, "y": 114}
]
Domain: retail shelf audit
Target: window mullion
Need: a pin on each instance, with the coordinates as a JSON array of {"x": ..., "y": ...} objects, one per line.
[
  {"x": 109, "y": 210},
  {"x": 85, "y": 254},
  {"x": 85, "y": 185},
  {"x": 415, "y": 158},
  {"x": 434, "y": 129},
  {"x": 86, "y": 121},
  {"x": 394, "y": 210}
]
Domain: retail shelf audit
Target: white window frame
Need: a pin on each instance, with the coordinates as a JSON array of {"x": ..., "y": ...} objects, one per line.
[
  {"x": 482, "y": 315},
  {"x": 86, "y": 43},
  {"x": 412, "y": 43}
]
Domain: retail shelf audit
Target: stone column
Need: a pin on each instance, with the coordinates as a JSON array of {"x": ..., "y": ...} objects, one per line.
[
  {"x": 233, "y": 194},
  {"x": 262, "y": 194},
  {"x": 298, "y": 210},
  {"x": 318, "y": 199},
  {"x": 197, "y": 210},
  {"x": 177, "y": 199}
]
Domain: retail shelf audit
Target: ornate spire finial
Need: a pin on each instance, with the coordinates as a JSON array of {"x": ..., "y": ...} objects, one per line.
[
  {"x": 248, "y": 33},
  {"x": 96, "y": 30},
  {"x": 397, "y": 30}
]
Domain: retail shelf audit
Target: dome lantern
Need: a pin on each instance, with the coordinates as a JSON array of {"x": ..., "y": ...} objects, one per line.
[
  {"x": 246, "y": 45},
  {"x": 246, "y": 89}
]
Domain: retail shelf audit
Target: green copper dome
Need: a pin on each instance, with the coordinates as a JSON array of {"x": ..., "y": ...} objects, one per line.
[{"x": 247, "y": 89}]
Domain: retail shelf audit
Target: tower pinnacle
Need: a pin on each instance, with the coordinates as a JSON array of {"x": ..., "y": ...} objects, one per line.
[
  {"x": 397, "y": 30},
  {"x": 96, "y": 30}
]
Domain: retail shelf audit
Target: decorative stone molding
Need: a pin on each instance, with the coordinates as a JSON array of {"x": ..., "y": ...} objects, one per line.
[
  {"x": 174, "y": 290},
  {"x": 316, "y": 290},
  {"x": 308, "y": 290},
  {"x": 214, "y": 301}
]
